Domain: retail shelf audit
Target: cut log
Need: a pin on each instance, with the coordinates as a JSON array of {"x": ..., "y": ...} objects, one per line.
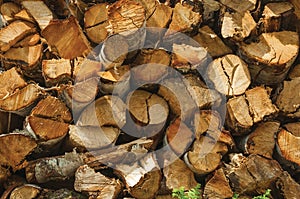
[
  {"x": 287, "y": 185},
  {"x": 294, "y": 72},
  {"x": 244, "y": 111},
  {"x": 288, "y": 146},
  {"x": 177, "y": 175},
  {"x": 237, "y": 26},
  {"x": 8, "y": 10},
  {"x": 276, "y": 16},
  {"x": 218, "y": 186},
  {"x": 161, "y": 17},
  {"x": 95, "y": 22},
  {"x": 39, "y": 11},
  {"x": 149, "y": 6},
  {"x": 53, "y": 168},
  {"x": 149, "y": 111},
  {"x": 22, "y": 101},
  {"x": 207, "y": 121},
  {"x": 287, "y": 101},
  {"x": 183, "y": 20},
  {"x": 179, "y": 137},
  {"x": 72, "y": 42},
  {"x": 106, "y": 111},
  {"x": 150, "y": 66},
  {"x": 13, "y": 33},
  {"x": 261, "y": 141},
  {"x": 181, "y": 103},
  {"x": 114, "y": 51},
  {"x": 240, "y": 5},
  {"x": 142, "y": 178},
  {"x": 205, "y": 155},
  {"x": 115, "y": 80},
  {"x": 196, "y": 57},
  {"x": 4, "y": 174},
  {"x": 229, "y": 75},
  {"x": 26, "y": 191},
  {"x": 271, "y": 57},
  {"x": 26, "y": 57},
  {"x": 87, "y": 180},
  {"x": 209, "y": 40},
  {"x": 128, "y": 18},
  {"x": 11, "y": 80},
  {"x": 56, "y": 71},
  {"x": 14, "y": 148},
  {"x": 252, "y": 175},
  {"x": 80, "y": 95},
  {"x": 52, "y": 108},
  {"x": 30, "y": 40},
  {"x": 92, "y": 138},
  {"x": 24, "y": 15},
  {"x": 85, "y": 69}
]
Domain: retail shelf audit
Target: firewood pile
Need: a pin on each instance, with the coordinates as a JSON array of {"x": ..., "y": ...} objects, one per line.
[{"x": 136, "y": 98}]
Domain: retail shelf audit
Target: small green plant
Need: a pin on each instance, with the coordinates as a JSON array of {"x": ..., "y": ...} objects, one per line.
[
  {"x": 264, "y": 196},
  {"x": 180, "y": 193}
]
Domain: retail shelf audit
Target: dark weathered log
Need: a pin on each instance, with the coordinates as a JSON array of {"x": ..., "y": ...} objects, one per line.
[
  {"x": 240, "y": 5},
  {"x": 26, "y": 191},
  {"x": 218, "y": 186},
  {"x": 287, "y": 185},
  {"x": 294, "y": 72},
  {"x": 87, "y": 180},
  {"x": 229, "y": 75},
  {"x": 72, "y": 42},
  {"x": 272, "y": 56}
]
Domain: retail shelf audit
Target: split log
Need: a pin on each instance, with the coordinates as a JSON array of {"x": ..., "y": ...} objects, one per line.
[
  {"x": 240, "y": 6},
  {"x": 85, "y": 68},
  {"x": 115, "y": 80},
  {"x": 161, "y": 16},
  {"x": 128, "y": 18},
  {"x": 209, "y": 40},
  {"x": 14, "y": 148},
  {"x": 91, "y": 138},
  {"x": 150, "y": 66},
  {"x": 178, "y": 136},
  {"x": 87, "y": 180},
  {"x": 53, "y": 168},
  {"x": 237, "y": 26},
  {"x": 229, "y": 75},
  {"x": 286, "y": 101},
  {"x": 205, "y": 155},
  {"x": 271, "y": 57},
  {"x": 30, "y": 40},
  {"x": 27, "y": 57},
  {"x": 72, "y": 42},
  {"x": 296, "y": 5},
  {"x": 177, "y": 175},
  {"x": 294, "y": 72},
  {"x": 22, "y": 101},
  {"x": 210, "y": 10},
  {"x": 114, "y": 51},
  {"x": 142, "y": 178},
  {"x": 95, "y": 22},
  {"x": 244, "y": 111},
  {"x": 4, "y": 174},
  {"x": 218, "y": 186},
  {"x": 24, "y": 15},
  {"x": 106, "y": 111},
  {"x": 8, "y": 10},
  {"x": 11, "y": 80},
  {"x": 252, "y": 175},
  {"x": 192, "y": 57},
  {"x": 56, "y": 71},
  {"x": 13, "y": 33},
  {"x": 262, "y": 140},
  {"x": 183, "y": 20},
  {"x": 26, "y": 191},
  {"x": 149, "y": 112},
  {"x": 80, "y": 95},
  {"x": 39, "y": 11},
  {"x": 276, "y": 16},
  {"x": 288, "y": 146},
  {"x": 149, "y": 6},
  {"x": 287, "y": 185}
]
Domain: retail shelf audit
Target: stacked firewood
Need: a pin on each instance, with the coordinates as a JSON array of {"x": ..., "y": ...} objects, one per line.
[{"x": 136, "y": 98}]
